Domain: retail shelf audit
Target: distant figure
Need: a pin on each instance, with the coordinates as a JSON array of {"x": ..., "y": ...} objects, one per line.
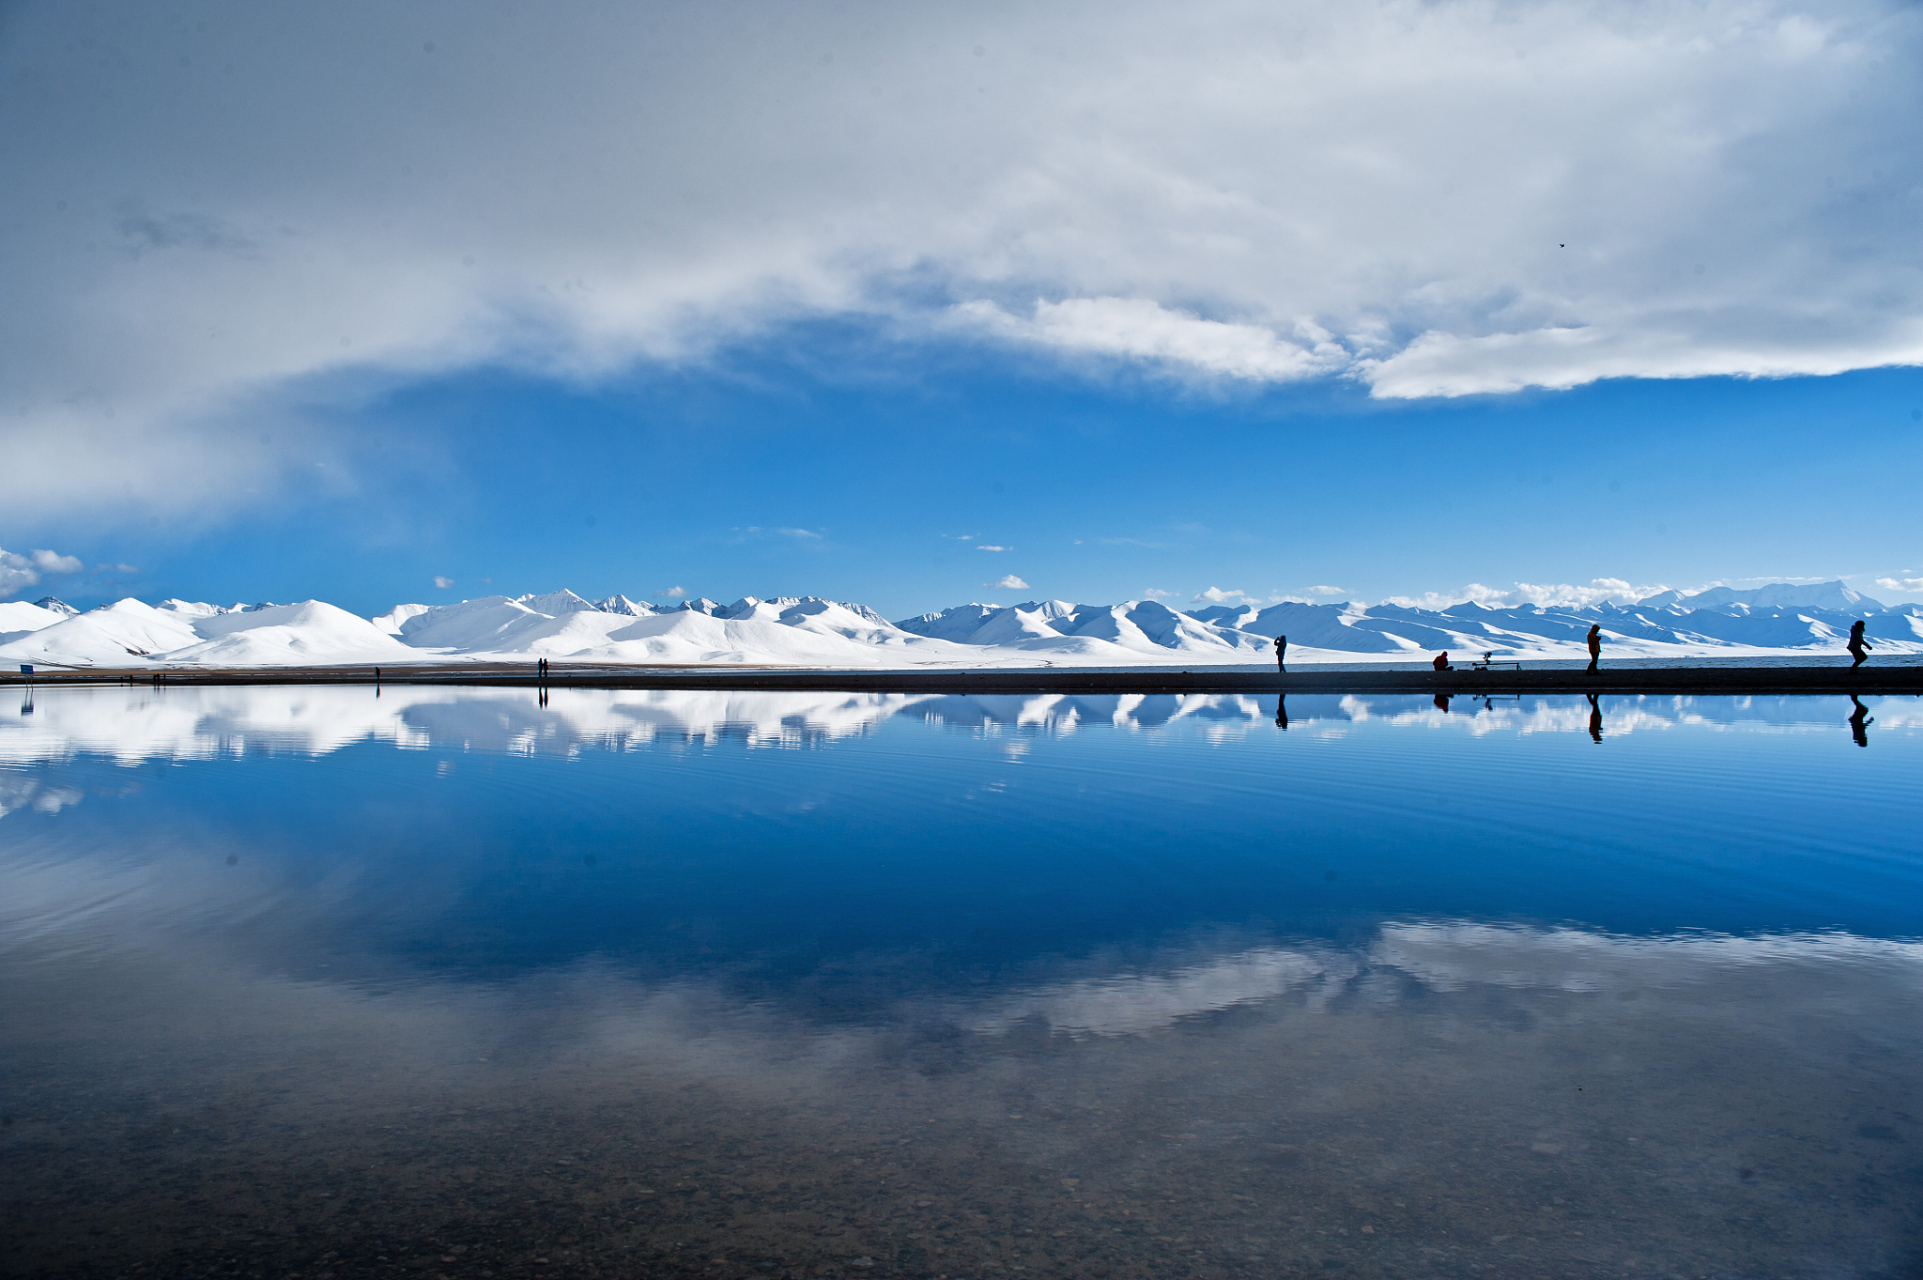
[
  {"x": 1858, "y": 647},
  {"x": 1595, "y": 720},
  {"x": 1441, "y": 662},
  {"x": 1281, "y": 654},
  {"x": 1860, "y": 721},
  {"x": 1282, "y": 712},
  {"x": 1595, "y": 644}
]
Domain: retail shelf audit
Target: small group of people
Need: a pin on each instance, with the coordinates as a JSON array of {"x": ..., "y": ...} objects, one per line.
[
  {"x": 1595, "y": 640},
  {"x": 1858, "y": 647}
]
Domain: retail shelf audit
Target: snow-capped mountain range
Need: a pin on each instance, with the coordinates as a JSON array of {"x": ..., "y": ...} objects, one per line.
[{"x": 1781, "y": 620}]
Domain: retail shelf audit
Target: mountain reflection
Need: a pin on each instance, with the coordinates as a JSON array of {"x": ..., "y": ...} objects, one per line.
[{"x": 203, "y": 722}]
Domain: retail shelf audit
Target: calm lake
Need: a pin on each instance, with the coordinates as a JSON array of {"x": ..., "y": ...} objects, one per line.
[{"x": 309, "y": 981}]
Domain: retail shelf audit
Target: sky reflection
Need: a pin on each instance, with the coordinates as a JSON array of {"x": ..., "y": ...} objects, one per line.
[{"x": 983, "y": 981}]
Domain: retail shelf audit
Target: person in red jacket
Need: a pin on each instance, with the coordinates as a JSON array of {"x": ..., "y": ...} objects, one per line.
[{"x": 1441, "y": 662}]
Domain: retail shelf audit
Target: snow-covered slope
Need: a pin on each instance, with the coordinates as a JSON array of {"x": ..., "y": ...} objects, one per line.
[
  {"x": 311, "y": 633},
  {"x": 17, "y": 618},
  {"x": 786, "y": 631},
  {"x": 118, "y": 634},
  {"x": 129, "y": 633},
  {"x": 1120, "y": 633},
  {"x": 808, "y": 631},
  {"x": 391, "y": 621},
  {"x": 813, "y": 632}
]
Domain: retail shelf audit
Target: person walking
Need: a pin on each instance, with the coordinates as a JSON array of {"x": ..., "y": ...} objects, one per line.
[
  {"x": 1282, "y": 654},
  {"x": 1858, "y": 647},
  {"x": 1595, "y": 644}
]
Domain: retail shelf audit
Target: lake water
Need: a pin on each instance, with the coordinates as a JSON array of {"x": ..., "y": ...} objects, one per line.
[{"x": 313, "y": 982}]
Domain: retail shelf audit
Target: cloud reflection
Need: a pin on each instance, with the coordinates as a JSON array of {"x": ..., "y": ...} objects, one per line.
[{"x": 1447, "y": 958}]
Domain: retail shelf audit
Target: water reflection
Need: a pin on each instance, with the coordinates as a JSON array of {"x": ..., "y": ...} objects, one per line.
[
  {"x": 1860, "y": 721},
  {"x": 302, "y": 981},
  {"x": 202, "y": 722}
]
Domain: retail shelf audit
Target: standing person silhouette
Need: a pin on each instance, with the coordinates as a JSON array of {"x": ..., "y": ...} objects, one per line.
[
  {"x": 1858, "y": 647},
  {"x": 1282, "y": 654},
  {"x": 1860, "y": 722},
  {"x": 1595, "y": 719},
  {"x": 1595, "y": 644}
]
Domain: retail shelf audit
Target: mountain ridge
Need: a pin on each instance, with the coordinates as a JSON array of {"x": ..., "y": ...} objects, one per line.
[{"x": 812, "y": 631}]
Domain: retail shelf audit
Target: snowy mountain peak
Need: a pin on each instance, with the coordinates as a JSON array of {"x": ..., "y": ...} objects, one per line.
[
  {"x": 556, "y": 603},
  {"x": 622, "y": 605},
  {"x": 54, "y": 604},
  {"x": 191, "y": 608},
  {"x": 1777, "y": 595},
  {"x": 790, "y": 608}
]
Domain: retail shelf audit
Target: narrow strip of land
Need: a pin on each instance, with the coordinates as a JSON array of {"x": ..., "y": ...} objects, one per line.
[{"x": 1707, "y": 680}]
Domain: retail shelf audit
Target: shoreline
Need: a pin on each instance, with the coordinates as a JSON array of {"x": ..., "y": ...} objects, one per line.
[{"x": 1708, "y": 680}]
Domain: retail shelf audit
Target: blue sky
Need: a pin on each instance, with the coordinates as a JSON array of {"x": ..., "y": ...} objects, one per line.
[
  {"x": 1290, "y": 300},
  {"x": 767, "y": 479}
]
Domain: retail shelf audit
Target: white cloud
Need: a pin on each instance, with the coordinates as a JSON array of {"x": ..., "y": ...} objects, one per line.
[
  {"x": 986, "y": 547},
  {"x": 1156, "y": 593},
  {"x": 1599, "y": 591},
  {"x": 1141, "y": 329},
  {"x": 12, "y": 580},
  {"x": 443, "y": 583},
  {"x": 1900, "y": 584},
  {"x": 1327, "y": 591},
  {"x": 674, "y": 593},
  {"x": 1216, "y": 595},
  {"x": 1449, "y": 198},
  {"x": 1009, "y": 582},
  {"x": 801, "y": 534},
  {"x": 18, "y": 572},
  {"x": 1560, "y": 595}
]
